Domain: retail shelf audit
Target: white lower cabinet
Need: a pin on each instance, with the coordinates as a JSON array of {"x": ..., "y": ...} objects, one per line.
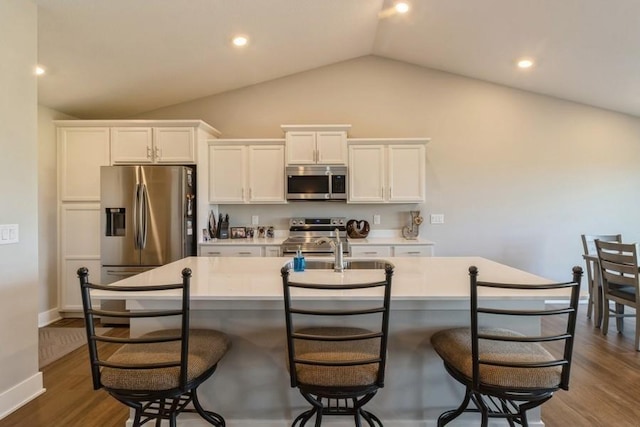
[
  {"x": 272, "y": 251},
  {"x": 391, "y": 250},
  {"x": 79, "y": 247},
  {"x": 421, "y": 250},
  {"x": 229, "y": 250},
  {"x": 223, "y": 250},
  {"x": 370, "y": 251}
]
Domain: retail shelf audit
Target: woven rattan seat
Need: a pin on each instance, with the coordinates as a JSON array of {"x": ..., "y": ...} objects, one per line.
[
  {"x": 507, "y": 372},
  {"x": 337, "y": 364},
  {"x": 158, "y": 373}
]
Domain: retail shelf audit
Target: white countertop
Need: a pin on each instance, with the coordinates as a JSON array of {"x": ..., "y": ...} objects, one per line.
[
  {"x": 372, "y": 241},
  {"x": 258, "y": 279}
]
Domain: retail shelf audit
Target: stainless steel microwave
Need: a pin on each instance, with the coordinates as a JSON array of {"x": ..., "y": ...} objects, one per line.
[{"x": 316, "y": 182}]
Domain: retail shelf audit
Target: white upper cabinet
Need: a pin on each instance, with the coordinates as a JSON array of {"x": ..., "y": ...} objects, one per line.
[
  {"x": 246, "y": 171},
  {"x": 227, "y": 166},
  {"x": 367, "y": 173},
  {"x": 316, "y": 144},
  {"x": 387, "y": 170},
  {"x": 81, "y": 152},
  {"x": 266, "y": 173},
  {"x": 153, "y": 145}
]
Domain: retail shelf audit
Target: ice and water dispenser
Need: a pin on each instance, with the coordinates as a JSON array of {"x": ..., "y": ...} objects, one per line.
[{"x": 116, "y": 220}]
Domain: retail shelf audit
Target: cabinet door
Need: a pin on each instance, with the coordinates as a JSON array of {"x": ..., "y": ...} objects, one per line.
[
  {"x": 79, "y": 247},
  {"x": 266, "y": 174},
  {"x": 174, "y": 145},
  {"x": 370, "y": 251},
  {"x": 406, "y": 165},
  {"x": 331, "y": 148},
  {"x": 132, "y": 145},
  {"x": 81, "y": 152},
  {"x": 366, "y": 174},
  {"x": 227, "y": 174},
  {"x": 419, "y": 250},
  {"x": 301, "y": 148}
]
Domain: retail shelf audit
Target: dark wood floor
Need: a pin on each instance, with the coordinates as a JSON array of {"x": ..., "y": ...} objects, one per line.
[{"x": 604, "y": 390}]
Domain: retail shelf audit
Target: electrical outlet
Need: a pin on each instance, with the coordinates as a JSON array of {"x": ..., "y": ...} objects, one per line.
[
  {"x": 255, "y": 220},
  {"x": 437, "y": 218},
  {"x": 376, "y": 219}
]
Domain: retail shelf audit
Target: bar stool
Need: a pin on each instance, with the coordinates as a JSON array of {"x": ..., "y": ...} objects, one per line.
[
  {"x": 507, "y": 373},
  {"x": 336, "y": 364},
  {"x": 158, "y": 373}
]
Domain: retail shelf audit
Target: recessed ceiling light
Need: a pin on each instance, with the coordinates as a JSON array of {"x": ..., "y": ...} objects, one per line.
[
  {"x": 39, "y": 70},
  {"x": 525, "y": 63},
  {"x": 402, "y": 7},
  {"x": 240, "y": 41}
]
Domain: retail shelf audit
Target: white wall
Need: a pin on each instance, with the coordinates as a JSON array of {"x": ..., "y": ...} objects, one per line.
[
  {"x": 47, "y": 219},
  {"x": 518, "y": 176},
  {"x": 19, "y": 376}
]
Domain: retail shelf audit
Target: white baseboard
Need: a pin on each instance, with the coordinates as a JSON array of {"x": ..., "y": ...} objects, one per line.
[
  {"x": 48, "y": 317},
  {"x": 20, "y": 394}
]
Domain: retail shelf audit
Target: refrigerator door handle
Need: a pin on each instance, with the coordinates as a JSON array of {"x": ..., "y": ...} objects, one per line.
[
  {"x": 144, "y": 207},
  {"x": 137, "y": 209}
]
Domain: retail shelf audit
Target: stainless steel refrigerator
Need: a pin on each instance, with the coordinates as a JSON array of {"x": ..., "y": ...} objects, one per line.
[{"x": 148, "y": 219}]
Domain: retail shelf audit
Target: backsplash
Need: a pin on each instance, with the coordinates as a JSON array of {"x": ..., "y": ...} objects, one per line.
[{"x": 392, "y": 216}]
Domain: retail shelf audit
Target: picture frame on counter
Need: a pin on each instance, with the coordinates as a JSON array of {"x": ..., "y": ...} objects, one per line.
[{"x": 238, "y": 233}]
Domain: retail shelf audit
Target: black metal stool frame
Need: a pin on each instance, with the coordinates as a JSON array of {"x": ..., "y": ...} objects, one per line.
[
  {"x": 148, "y": 405},
  {"x": 341, "y": 400},
  {"x": 512, "y": 404}
]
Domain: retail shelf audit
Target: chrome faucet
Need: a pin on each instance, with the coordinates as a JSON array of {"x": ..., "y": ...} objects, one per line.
[{"x": 336, "y": 247}]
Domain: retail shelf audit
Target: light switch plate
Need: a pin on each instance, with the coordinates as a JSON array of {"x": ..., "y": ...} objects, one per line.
[
  {"x": 255, "y": 220},
  {"x": 376, "y": 219},
  {"x": 9, "y": 234}
]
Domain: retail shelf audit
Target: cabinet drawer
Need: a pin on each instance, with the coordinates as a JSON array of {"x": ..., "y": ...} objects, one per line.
[
  {"x": 248, "y": 251},
  {"x": 272, "y": 251},
  {"x": 369, "y": 251},
  {"x": 425, "y": 250}
]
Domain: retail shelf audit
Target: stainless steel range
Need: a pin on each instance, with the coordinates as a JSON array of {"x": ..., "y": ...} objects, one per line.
[{"x": 305, "y": 232}]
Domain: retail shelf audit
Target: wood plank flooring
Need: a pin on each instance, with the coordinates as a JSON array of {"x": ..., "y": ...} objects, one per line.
[{"x": 604, "y": 389}]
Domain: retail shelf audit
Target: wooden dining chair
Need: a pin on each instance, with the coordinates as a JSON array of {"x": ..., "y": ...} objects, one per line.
[
  {"x": 506, "y": 373},
  {"x": 594, "y": 285},
  {"x": 157, "y": 374},
  {"x": 620, "y": 282}
]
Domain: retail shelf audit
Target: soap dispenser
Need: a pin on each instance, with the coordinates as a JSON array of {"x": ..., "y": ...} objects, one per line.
[{"x": 298, "y": 261}]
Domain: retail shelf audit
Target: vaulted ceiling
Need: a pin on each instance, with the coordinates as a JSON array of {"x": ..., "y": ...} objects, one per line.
[{"x": 117, "y": 58}]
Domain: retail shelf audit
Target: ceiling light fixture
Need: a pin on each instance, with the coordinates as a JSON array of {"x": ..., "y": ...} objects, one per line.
[
  {"x": 402, "y": 7},
  {"x": 525, "y": 63},
  {"x": 399, "y": 7},
  {"x": 240, "y": 41},
  {"x": 39, "y": 70}
]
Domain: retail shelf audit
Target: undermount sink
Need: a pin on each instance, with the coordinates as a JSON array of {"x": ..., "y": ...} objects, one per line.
[{"x": 355, "y": 264}]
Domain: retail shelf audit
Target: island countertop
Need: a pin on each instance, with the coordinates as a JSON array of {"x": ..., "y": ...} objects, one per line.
[
  {"x": 258, "y": 279},
  {"x": 243, "y": 297}
]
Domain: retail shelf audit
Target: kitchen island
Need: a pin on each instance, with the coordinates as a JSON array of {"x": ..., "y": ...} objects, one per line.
[{"x": 243, "y": 298}]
